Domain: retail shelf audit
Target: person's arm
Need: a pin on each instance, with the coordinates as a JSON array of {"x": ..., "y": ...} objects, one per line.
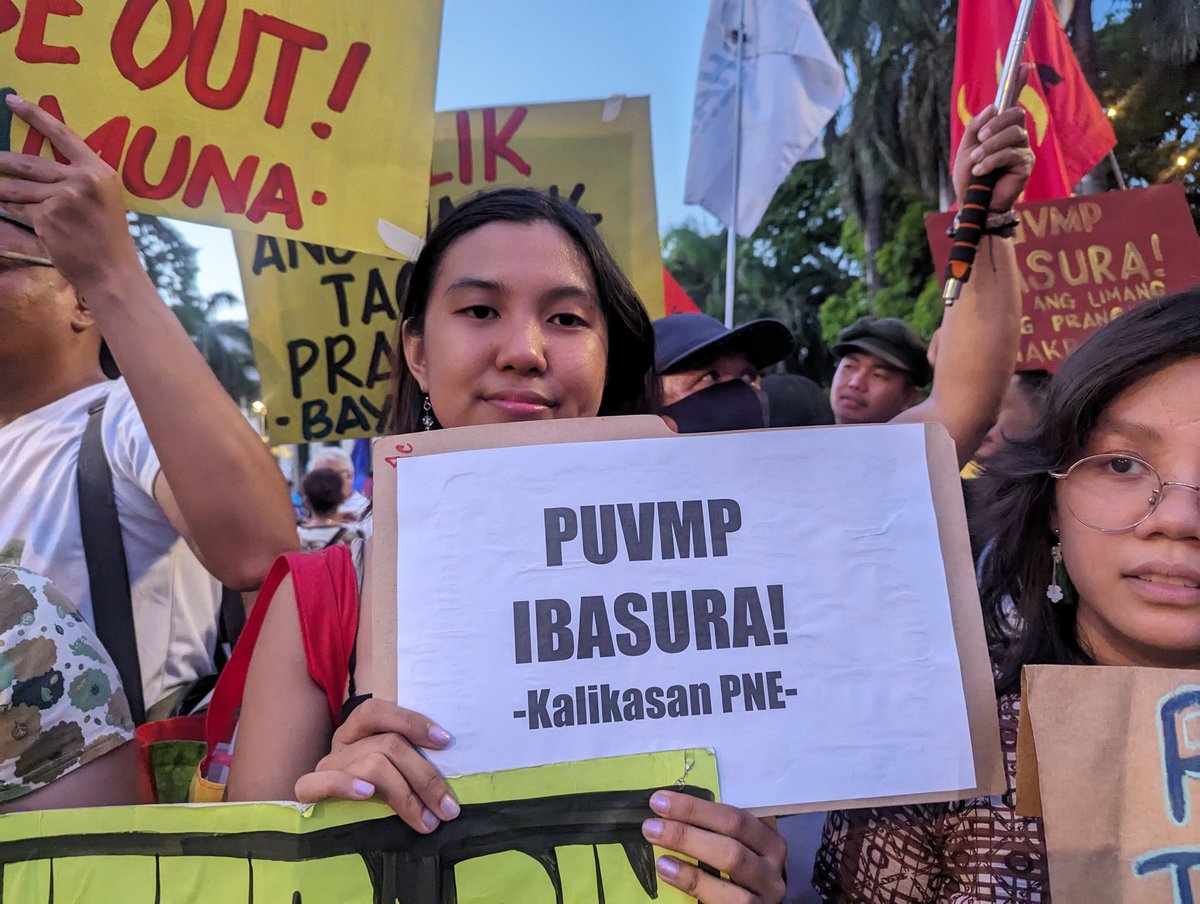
[
  {"x": 374, "y": 754},
  {"x": 114, "y": 780},
  {"x": 219, "y": 485},
  {"x": 977, "y": 347}
]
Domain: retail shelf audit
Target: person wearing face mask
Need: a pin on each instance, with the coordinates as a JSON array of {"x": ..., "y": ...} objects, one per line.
[{"x": 1095, "y": 560}]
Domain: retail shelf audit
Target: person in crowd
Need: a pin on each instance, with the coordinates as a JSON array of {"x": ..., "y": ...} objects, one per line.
[
  {"x": 196, "y": 491},
  {"x": 515, "y": 311},
  {"x": 882, "y": 368},
  {"x": 66, "y": 733},
  {"x": 1019, "y": 411},
  {"x": 353, "y": 505},
  {"x": 325, "y": 525},
  {"x": 694, "y": 351},
  {"x": 1096, "y": 522},
  {"x": 883, "y": 364}
]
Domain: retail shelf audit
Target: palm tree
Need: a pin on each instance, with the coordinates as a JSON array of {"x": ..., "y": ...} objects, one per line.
[
  {"x": 898, "y": 54},
  {"x": 225, "y": 344}
]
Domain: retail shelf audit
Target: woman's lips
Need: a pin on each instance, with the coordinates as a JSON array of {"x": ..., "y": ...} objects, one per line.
[
  {"x": 1172, "y": 589},
  {"x": 520, "y": 403}
]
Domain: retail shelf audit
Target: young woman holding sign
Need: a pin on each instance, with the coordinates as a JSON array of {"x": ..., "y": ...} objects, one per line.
[
  {"x": 1095, "y": 559},
  {"x": 515, "y": 311}
]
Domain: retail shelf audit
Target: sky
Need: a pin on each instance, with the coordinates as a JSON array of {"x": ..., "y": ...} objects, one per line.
[{"x": 538, "y": 51}]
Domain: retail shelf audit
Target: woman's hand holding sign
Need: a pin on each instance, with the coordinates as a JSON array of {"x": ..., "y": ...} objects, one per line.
[
  {"x": 742, "y": 847},
  {"x": 375, "y": 753}
]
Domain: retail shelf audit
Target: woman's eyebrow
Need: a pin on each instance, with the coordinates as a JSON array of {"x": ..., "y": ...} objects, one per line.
[
  {"x": 569, "y": 291},
  {"x": 1128, "y": 429},
  {"x": 474, "y": 282}
]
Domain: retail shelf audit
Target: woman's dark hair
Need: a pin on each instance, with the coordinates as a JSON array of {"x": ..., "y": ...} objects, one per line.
[
  {"x": 1013, "y": 501},
  {"x": 631, "y": 385},
  {"x": 322, "y": 488}
]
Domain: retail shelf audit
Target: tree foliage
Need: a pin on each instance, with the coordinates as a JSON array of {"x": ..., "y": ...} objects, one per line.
[
  {"x": 846, "y": 238},
  {"x": 170, "y": 261}
]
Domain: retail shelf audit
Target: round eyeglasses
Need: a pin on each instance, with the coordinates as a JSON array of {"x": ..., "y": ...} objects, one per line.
[{"x": 1113, "y": 492}]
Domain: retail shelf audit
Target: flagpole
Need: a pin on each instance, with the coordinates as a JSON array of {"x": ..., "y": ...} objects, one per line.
[
  {"x": 731, "y": 244},
  {"x": 973, "y": 213}
]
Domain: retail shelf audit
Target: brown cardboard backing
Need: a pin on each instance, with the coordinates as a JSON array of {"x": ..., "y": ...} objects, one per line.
[
  {"x": 1029, "y": 787},
  {"x": 391, "y": 451}
]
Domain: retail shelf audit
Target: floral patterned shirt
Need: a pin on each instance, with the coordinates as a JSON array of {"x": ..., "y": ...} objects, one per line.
[{"x": 61, "y": 702}]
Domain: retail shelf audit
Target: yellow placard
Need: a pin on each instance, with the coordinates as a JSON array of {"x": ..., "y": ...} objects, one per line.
[
  {"x": 323, "y": 320},
  {"x": 264, "y": 115},
  {"x": 522, "y": 835}
]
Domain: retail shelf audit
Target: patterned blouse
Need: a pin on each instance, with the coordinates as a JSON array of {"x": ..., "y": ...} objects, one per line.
[
  {"x": 61, "y": 702},
  {"x": 975, "y": 851}
]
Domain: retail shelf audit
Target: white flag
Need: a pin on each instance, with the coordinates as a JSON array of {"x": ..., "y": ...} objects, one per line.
[{"x": 791, "y": 87}]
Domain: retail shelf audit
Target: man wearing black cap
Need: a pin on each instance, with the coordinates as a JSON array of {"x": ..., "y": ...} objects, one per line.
[
  {"x": 882, "y": 367},
  {"x": 192, "y": 484},
  {"x": 695, "y": 351}
]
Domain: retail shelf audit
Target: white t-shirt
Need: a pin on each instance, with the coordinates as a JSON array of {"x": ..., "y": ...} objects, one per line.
[{"x": 175, "y": 600}]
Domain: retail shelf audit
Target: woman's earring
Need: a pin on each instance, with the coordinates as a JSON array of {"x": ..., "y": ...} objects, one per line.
[
  {"x": 1054, "y": 592},
  {"x": 427, "y": 415}
]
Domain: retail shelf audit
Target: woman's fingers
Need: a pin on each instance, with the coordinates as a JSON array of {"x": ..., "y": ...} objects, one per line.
[
  {"x": 335, "y": 784},
  {"x": 352, "y": 783},
  {"x": 722, "y": 819},
  {"x": 727, "y": 839},
  {"x": 376, "y": 717},
  {"x": 702, "y": 886},
  {"x": 66, "y": 142},
  {"x": 398, "y": 771}
]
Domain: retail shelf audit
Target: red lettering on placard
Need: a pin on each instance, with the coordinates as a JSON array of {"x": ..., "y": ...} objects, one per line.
[
  {"x": 35, "y": 140},
  {"x": 211, "y": 167},
  {"x": 295, "y": 40},
  {"x": 278, "y": 195},
  {"x": 31, "y": 41},
  {"x": 195, "y": 42},
  {"x": 495, "y": 144},
  {"x": 169, "y": 59},
  {"x": 9, "y": 15},
  {"x": 199, "y": 61},
  {"x": 134, "y": 173}
]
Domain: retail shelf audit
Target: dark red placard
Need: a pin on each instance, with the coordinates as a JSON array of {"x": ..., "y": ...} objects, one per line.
[{"x": 1085, "y": 260}]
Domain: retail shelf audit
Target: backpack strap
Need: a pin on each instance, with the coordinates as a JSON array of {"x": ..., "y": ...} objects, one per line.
[
  {"x": 326, "y": 587},
  {"x": 104, "y": 552}
]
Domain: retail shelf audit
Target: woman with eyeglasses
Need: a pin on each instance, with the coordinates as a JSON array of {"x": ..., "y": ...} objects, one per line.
[{"x": 1095, "y": 560}]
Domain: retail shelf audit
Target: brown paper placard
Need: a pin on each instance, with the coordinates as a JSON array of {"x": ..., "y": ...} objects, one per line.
[
  {"x": 1101, "y": 776},
  {"x": 941, "y": 458}
]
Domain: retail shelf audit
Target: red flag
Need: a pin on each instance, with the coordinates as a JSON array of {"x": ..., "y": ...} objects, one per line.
[
  {"x": 1069, "y": 131},
  {"x": 677, "y": 300}
]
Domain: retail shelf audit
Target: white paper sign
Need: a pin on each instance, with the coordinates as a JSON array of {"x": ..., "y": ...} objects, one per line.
[{"x": 778, "y": 596}]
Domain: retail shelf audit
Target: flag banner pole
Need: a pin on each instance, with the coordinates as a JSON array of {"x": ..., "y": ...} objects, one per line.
[
  {"x": 973, "y": 216},
  {"x": 1116, "y": 168},
  {"x": 731, "y": 244}
]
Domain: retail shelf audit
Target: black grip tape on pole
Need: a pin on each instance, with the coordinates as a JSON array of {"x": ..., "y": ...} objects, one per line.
[
  {"x": 972, "y": 218},
  {"x": 5, "y": 120}
]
